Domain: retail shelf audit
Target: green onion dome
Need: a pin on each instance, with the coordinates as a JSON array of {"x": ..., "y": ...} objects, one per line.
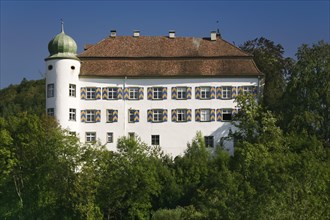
[{"x": 62, "y": 46}]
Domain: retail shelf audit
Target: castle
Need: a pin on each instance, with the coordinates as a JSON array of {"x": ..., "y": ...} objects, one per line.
[{"x": 161, "y": 88}]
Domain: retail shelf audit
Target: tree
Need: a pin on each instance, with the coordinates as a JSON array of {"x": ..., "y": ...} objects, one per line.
[
  {"x": 269, "y": 58},
  {"x": 306, "y": 105}
]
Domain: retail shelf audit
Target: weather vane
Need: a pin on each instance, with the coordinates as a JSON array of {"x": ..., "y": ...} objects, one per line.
[{"x": 62, "y": 25}]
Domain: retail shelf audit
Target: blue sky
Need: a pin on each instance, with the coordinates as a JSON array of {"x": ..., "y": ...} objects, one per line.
[{"x": 28, "y": 26}]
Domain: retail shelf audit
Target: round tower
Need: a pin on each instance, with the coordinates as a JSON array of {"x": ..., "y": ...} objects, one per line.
[{"x": 62, "y": 81}]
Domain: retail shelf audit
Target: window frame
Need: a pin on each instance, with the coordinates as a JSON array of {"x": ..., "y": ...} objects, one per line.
[
  {"x": 110, "y": 114},
  {"x": 72, "y": 90},
  {"x": 208, "y": 119},
  {"x": 131, "y": 113},
  {"x": 114, "y": 93},
  {"x": 247, "y": 90},
  {"x": 158, "y": 113},
  {"x": 90, "y": 93},
  {"x": 109, "y": 137},
  {"x": 227, "y": 92},
  {"x": 90, "y": 114},
  {"x": 90, "y": 137},
  {"x": 207, "y": 140},
  {"x": 51, "y": 112},
  {"x": 157, "y": 95},
  {"x": 132, "y": 92},
  {"x": 207, "y": 92},
  {"x": 155, "y": 139},
  {"x": 182, "y": 112},
  {"x": 226, "y": 112},
  {"x": 183, "y": 93},
  {"x": 72, "y": 114},
  {"x": 131, "y": 135},
  {"x": 50, "y": 90}
]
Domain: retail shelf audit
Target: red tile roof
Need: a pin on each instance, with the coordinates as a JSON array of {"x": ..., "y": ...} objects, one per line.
[{"x": 165, "y": 57}]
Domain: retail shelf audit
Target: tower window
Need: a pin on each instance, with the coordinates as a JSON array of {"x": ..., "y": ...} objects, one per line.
[
  {"x": 50, "y": 90},
  {"x": 72, "y": 114},
  {"x": 72, "y": 90},
  {"x": 50, "y": 67},
  {"x": 73, "y": 67}
]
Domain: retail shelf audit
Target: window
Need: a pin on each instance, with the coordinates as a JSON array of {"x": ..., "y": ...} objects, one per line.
[
  {"x": 157, "y": 93},
  {"x": 50, "y": 111},
  {"x": 155, "y": 140},
  {"x": 72, "y": 114},
  {"x": 90, "y": 93},
  {"x": 226, "y": 92},
  {"x": 205, "y": 114},
  {"x": 247, "y": 89},
  {"x": 131, "y": 135},
  {"x": 90, "y": 136},
  {"x": 157, "y": 115},
  {"x": 72, "y": 133},
  {"x": 205, "y": 93},
  {"x": 209, "y": 141},
  {"x": 181, "y": 114},
  {"x": 110, "y": 137},
  {"x": 90, "y": 115},
  {"x": 110, "y": 114},
  {"x": 226, "y": 114},
  {"x": 50, "y": 90},
  {"x": 112, "y": 93},
  {"x": 181, "y": 93},
  {"x": 72, "y": 90},
  {"x": 133, "y": 93},
  {"x": 131, "y": 116}
]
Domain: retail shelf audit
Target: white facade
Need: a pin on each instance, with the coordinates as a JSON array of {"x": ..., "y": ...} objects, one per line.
[
  {"x": 174, "y": 136},
  {"x": 86, "y": 114}
]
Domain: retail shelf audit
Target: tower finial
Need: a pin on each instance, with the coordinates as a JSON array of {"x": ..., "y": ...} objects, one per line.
[{"x": 62, "y": 25}]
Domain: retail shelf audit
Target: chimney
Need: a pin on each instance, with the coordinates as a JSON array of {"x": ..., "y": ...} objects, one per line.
[
  {"x": 213, "y": 35},
  {"x": 113, "y": 33},
  {"x": 171, "y": 34},
  {"x": 136, "y": 33}
]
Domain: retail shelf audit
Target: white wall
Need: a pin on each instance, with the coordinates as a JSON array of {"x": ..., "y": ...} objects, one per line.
[{"x": 173, "y": 135}]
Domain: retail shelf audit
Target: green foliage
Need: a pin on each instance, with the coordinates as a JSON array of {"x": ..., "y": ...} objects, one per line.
[
  {"x": 269, "y": 58},
  {"x": 307, "y": 99},
  {"x": 28, "y": 96}
]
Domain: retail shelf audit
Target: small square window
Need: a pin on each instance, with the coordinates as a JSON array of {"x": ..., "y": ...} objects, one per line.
[
  {"x": 51, "y": 112},
  {"x": 72, "y": 90},
  {"x": 50, "y": 90},
  {"x": 90, "y": 137},
  {"x": 209, "y": 141},
  {"x": 155, "y": 140},
  {"x": 72, "y": 114},
  {"x": 110, "y": 137},
  {"x": 131, "y": 135}
]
